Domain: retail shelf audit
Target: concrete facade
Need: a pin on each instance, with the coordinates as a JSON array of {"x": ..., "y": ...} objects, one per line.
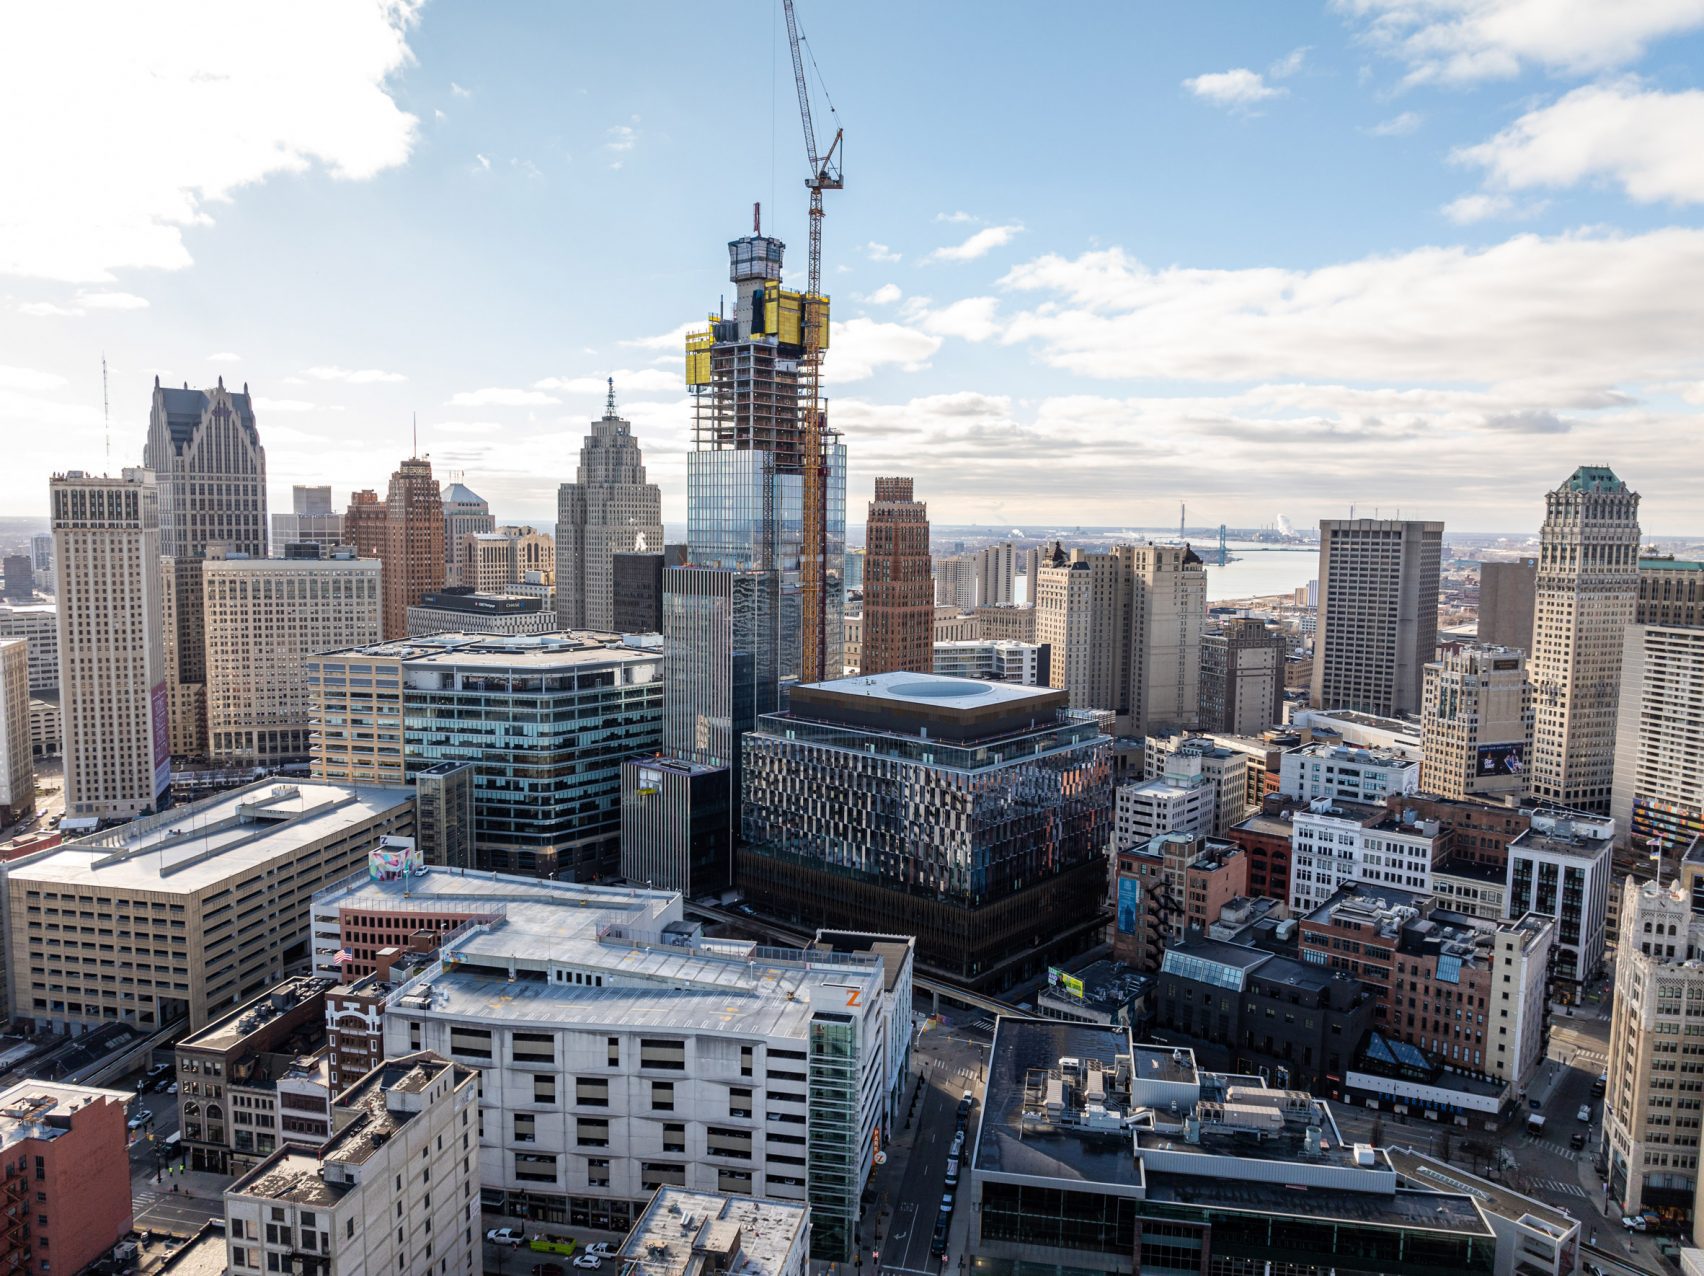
[
  {"x": 1378, "y": 613},
  {"x": 1658, "y": 789},
  {"x": 1476, "y": 724},
  {"x": 17, "y": 757},
  {"x": 609, "y": 509}
]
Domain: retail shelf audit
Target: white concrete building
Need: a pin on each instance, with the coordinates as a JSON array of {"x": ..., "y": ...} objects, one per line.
[
  {"x": 1476, "y": 724},
  {"x": 1358, "y": 730},
  {"x": 395, "y": 1189},
  {"x": 1659, "y": 742},
  {"x": 997, "y": 660},
  {"x": 1354, "y": 775},
  {"x": 1181, "y": 804},
  {"x": 621, "y": 1051},
  {"x": 1561, "y": 867},
  {"x": 1336, "y": 842},
  {"x": 39, "y": 623},
  {"x": 1520, "y": 1004}
]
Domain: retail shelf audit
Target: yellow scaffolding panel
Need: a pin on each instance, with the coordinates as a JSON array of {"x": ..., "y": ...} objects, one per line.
[{"x": 698, "y": 356}]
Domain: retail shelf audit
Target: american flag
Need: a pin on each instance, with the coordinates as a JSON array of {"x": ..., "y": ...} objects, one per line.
[{"x": 342, "y": 955}]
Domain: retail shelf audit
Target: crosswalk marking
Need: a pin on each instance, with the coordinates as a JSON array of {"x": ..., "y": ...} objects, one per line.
[
  {"x": 1566, "y": 1153},
  {"x": 1557, "y": 1186}
]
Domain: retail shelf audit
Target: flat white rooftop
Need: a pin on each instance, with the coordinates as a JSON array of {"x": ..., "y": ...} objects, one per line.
[
  {"x": 26, "y": 1107},
  {"x": 936, "y": 690},
  {"x": 189, "y": 848},
  {"x": 685, "y": 1233}
]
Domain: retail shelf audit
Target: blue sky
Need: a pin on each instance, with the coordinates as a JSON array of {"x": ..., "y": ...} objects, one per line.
[{"x": 1091, "y": 260}]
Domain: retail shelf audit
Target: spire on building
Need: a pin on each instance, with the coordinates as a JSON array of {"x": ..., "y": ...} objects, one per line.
[{"x": 609, "y": 403}]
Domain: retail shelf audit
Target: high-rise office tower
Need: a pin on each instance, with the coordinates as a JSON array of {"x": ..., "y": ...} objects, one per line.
[
  {"x": 20, "y": 578},
  {"x": 1242, "y": 677},
  {"x": 1671, "y": 592},
  {"x": 17, "y": 766},
  {"x": 413, "y": 555},
  {"x": 264, "y": 618},
  {"x": 1588, "y": 585},
  {"x": 608, "y": 509},
  {"x": 636, "y": 591},
  {"x": 311, "y": 521},
  {"x": 364, "y": 524},
  {"x": 1125, "y": 631},
  {"x": 1506, "y": 600},
  {"x": 899, "y": 596},
  {"x": 1658, "y": 790},
  {"x": 466, "y": 512},
  {"x": 1476, "y": 723},
  {"x": 1378, "y": 613},
  {"x": 112, "y": 669},
  {"x": 210, "y": 469},
  {"x": 999, "y": 568}
]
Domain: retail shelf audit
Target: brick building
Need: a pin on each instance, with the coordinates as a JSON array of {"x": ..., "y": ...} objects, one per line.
[{"x": 65, "y": 1185}]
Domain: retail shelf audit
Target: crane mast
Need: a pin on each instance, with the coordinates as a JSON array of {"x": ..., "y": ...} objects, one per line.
[{"x": 813, "y": 564}]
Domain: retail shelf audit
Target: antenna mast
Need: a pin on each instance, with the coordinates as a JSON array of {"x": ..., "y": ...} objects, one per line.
[{"x": 106, "y": 410}]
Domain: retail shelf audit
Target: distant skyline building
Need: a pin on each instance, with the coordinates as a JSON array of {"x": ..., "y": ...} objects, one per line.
[
  {"x": 39, "y": 624},
  {"x": 1671, "y": 592},
  {"x": 19, "y": 572},
  {"x": 1507, "y": 599},
  {"x": 899, "y": 606},
  {"x": 465, "y": 513},
  {"x": 112, "y": 667},
  {"x": 210, "y": 471},
  {"x": 413, "y": 554},
  {"x": 1476, "y": 724},
  {"x": 955, "y": 581},
  {"x": 636, "y": 593},
  {"x": 364, "y": 524},
  {"x": 264, "y": 618},
  {"x": 999, "y": 568},
  {"x": 1587, "y": 593},
  {"x": 608, "y": 509},
  {"x": 1378, "y": 613},
  {"x": 311, "y": 521},
  {"x": 17, "y": 760},
  {"x": 41, "y": 558}
]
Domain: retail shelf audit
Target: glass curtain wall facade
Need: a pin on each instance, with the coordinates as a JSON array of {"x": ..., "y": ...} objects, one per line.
[
  {"x": 833, "y": 1149},
  {"x": 547, "y": 742}
]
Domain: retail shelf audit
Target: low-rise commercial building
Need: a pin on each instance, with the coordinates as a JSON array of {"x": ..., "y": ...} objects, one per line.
[
  {"x": 190, "y": 911},
  {"x": 686, "y": 1233},
  {"x": 394, "y": 1190},
  {"x": 66, "y": 1178},
  {"x": 1095, "y": 1154},
  {"x": 460, "y": 609},
  {"x": 1355, "y": 775},
  {"x": 1184, "y": 805},
  {"x": 1340, "y": 841},
  {"x": 256, "y": 1078}
]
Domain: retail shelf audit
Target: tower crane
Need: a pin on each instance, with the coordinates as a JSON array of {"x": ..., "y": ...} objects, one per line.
[{"x": 825, "y": 176}]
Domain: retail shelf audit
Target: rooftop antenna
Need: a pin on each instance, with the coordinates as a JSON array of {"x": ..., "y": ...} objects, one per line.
[
  {"x": 1182, "y": 510},
  {"x": 609, "y": 403},
  {"x": 416, "y": 418},
  {"x": 757, "y": 219},
  {"x": 106, "y": 410}
]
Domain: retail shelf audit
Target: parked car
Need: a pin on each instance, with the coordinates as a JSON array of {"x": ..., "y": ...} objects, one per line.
[
  {"x": 1577, "y": 1140},
  {"x": 1634, "y": 1223},
  {"x": 1584, "y": 1114},
  {"x": 1600, "y": 1085},
  {"x": 599, "y": 1249},
  {"x": 505, "y": 1236},
  {"x": 588, "y": 1262},
  {"x": 947, "y": 1203},
  {"x": 140, "y": 1120}
]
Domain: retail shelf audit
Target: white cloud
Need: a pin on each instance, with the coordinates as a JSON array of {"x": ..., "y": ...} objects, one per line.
[
  {"x": 47, "y": 308},
  {"x": 1398, "y": 125},
  {"x": 203, "y": 112},
  {"x": 481, "y": 163},
  {"x": 886, "y": 295},
  {"x": 861, "y": 346},
  {"x": 458, "y": 91},
  {"x": 1645, "y": 141},
  {"x": 971, "y": 318},
  {"x": 980, "y": 244},
  {"x": 880, "y": 252},
  {"x": 673, "y": 340},
  {"x": 499, "y": 397},
  {"x": 225, "y": 356},
  {"x": 1484, "y": 206},
  {"x": 28, "y": 379},
  {"x": 1289, "y": 64},
  {"x": 1589, "y": 308},
  {"x": 353, "y": 376},
  {"x": 1463, "y": 41},
  {"x": 1238, "y": 88},
  {"x": 960, "y": 216},
  {"x": 620, "y": 139},
  {"x": 112, "y": 301},
  {"x": 627, "y": 381},
  {"x": 287, "y": 405}
]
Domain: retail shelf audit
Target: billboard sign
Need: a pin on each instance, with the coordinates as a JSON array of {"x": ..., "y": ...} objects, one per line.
[
  {"x": 162, "y": 743},
  {"x": 1069, "y": 984},
  {"x": 1129, "y": 903},
  {"x": 1493, "y": 760}
]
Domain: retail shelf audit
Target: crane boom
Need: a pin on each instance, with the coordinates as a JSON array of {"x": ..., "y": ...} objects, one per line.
[{"x": 813, "y": 557}]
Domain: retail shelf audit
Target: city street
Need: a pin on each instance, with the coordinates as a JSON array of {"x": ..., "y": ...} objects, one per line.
[{"x": 154, "y": 1204}]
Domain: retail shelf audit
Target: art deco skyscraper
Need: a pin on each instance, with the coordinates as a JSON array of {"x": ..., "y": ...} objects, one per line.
[
  {"x": 1378, "y": 613},
  {"x": 210, "y": 469},
  {"x": 608, "y": 509},
  {"x": 413, "y": 555},
  {"x": 112, "y": 668},
  {"x": 899, "y": 594},
  {"x": 364, "y": 524},
  {"x": 1588, "y": 585}
]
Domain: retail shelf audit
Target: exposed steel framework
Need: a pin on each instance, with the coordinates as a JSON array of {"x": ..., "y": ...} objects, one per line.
[{"x": 825, "y": 176}]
